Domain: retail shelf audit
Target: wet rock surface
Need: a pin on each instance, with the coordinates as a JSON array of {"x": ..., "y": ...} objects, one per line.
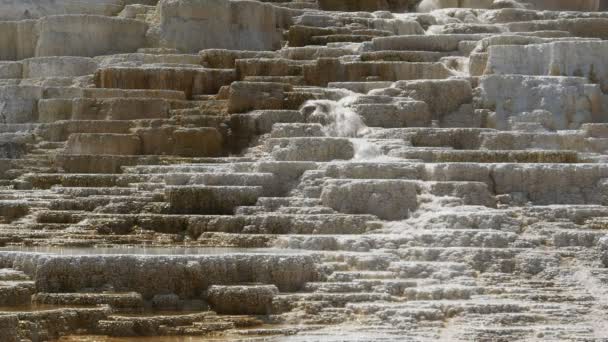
[{"x": 304, "y": 170}]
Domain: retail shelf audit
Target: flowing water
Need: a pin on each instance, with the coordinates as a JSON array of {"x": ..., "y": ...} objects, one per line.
[{"x": 340, "y": 120}]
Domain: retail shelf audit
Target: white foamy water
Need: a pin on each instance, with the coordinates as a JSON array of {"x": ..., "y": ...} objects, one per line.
[
  {"x": 339, "y": 120},
  {"x": 365, "y": 150},
  {"x": 428, "y": 6}
]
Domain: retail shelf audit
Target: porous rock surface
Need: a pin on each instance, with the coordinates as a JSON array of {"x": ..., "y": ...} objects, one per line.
[{"x": 304, "y": 170}]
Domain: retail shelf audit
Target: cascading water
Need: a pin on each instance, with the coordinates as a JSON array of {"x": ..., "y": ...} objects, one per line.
[
  {"x": 428, "y": 6},
  {"x": 339, "y": 120},
  {"x": 365, "y": 150}
]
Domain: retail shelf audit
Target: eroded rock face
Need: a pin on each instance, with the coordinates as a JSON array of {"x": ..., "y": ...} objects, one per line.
[
  {"x": 9, "y": 323},
  {"x": 562, "y": 5},
  {"x": 33, "y": 9},
  {"x": 325, "y": 170},
  {"x": 194, "y": 25},
  {"x": 184, "y": 276},
  {"x": 562, "y": 59},
  {"x": 568, "y": 101},
  {"x": 550, "y": 5},
  {"x": 369, "y": 5},
  {"x": 389, "y": 200},
  {"x": 253, "y": 300},
  {"x": 71, "y": 35},
  {"x": 192, "y": 81}
]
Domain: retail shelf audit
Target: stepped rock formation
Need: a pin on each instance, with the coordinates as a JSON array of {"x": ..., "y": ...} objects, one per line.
[{"x": 303, "y": 170}]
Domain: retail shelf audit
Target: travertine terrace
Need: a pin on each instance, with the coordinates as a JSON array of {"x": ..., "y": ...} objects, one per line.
[{"x": 305, "y": 170}]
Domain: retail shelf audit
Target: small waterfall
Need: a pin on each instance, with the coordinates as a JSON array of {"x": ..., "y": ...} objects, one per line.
[
  {"x": 366, "y": 150},
  {"x": 428, "y": 5},
  {"x": 339, "y": 120}
]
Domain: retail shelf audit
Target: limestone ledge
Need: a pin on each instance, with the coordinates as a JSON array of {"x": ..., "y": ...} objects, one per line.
[{"x": 186, "y": 276}]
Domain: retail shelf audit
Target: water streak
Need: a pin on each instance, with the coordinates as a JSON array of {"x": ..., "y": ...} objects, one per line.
[
  {"x": 340, "y": 120},
  {"x": 337, "y": 119}
]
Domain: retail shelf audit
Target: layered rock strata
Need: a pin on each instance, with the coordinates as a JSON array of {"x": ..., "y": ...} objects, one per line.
[{"x": 305, "y": 170}]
